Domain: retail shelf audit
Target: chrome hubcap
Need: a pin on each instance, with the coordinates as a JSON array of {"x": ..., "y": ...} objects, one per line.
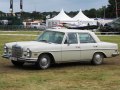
[
  {"x": 44, "y": 61},
  {"x": 98, "y": 58}
]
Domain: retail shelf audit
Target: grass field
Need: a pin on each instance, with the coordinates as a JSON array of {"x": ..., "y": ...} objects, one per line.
[
  {"x": 20, "y": 32},
  {"x": 76, "y": 76}
]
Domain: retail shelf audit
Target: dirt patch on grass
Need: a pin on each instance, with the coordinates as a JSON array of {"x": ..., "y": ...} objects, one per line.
[{"x": 6, "y": 65}]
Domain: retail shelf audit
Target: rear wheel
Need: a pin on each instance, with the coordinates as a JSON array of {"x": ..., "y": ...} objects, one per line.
[
  {"x": 44, "y": 61},
  {"x": 16, "y": 63},
  {"x": 98, "y": 59}
]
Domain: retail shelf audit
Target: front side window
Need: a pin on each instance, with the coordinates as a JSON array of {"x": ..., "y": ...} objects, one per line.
[
  {"x": 72, "y": 38},
  {"x": 51, "y": 37},
  {"x": 86, "y": 38}
]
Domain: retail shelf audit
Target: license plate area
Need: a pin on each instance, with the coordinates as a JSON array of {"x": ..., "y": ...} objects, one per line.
[{"x": 13, "y": 58}]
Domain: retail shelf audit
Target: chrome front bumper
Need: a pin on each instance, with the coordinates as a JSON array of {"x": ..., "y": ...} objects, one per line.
[
  {"x": 20, "y": 59},
  {"x": 6, "y": 56},
  {"x": 115, "y": 54}
]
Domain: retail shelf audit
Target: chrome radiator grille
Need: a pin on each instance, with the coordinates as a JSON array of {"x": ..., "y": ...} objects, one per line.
[{"x": 17, "y": 51}]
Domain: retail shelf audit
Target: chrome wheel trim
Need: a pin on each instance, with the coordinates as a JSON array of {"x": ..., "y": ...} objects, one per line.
[
  {"x": 44, "y": 62},
  {"x": 98, "y": 58}
]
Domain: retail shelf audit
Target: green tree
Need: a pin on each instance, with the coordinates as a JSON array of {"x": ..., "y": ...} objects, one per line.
[
  {"x": 111, "y": 9},
  {"x": 73, "y": 13},
  {"x": 14, "y": 20},
  {"x": 92, "y": 13},
  {"x": 101, "y": 12}
]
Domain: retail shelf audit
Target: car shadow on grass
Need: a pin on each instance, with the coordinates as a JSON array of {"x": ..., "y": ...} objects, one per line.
[{"x": 29, "y": 66}]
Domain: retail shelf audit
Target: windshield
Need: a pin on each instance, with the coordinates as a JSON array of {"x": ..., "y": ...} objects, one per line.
[{"x": 51, "y": 37}]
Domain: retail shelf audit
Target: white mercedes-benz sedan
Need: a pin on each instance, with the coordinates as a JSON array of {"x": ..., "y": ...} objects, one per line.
[{"x": 59, "y": 46}]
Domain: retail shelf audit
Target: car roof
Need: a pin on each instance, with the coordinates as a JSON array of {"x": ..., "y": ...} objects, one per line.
[{"x": 69, "y": 30}]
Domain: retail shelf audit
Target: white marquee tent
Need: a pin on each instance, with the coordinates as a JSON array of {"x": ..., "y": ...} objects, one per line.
[
  {"x": 83, "y": 19},
  {"x": 80, "y": 19},
  {"x": 60, "y": 18}
]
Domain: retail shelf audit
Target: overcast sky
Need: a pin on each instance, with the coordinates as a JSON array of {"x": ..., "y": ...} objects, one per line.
[{"x": 53, "y": 5}]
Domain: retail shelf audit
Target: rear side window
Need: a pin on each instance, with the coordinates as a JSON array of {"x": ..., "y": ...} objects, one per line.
[
  {"x": 86, "y": 38},
  {"x": 72, "y": 38}
]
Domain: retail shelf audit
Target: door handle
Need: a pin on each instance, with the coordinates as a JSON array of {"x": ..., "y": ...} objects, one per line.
[
  {"x": 77, "y": 46},
  {"x": 95, "y": 46}
]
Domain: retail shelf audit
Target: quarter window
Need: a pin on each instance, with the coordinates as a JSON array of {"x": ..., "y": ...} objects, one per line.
[{"x": 86, "y": 38}]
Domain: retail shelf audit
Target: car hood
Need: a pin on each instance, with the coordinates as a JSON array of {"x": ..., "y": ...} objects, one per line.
[{"x": 27, "y": 44}]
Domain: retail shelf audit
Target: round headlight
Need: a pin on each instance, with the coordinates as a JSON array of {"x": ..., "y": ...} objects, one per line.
[
  {"x": 5, "y": 49},
  {"x": 5, "y": 46},
  {"x": 28, "y": 53}
]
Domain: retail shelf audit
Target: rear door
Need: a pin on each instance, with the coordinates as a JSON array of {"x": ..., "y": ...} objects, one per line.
[{"x": 71, "y": 50}]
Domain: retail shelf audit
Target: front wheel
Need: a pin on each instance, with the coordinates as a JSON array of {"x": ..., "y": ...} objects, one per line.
[
  {"x": 98, "y": 59},
  {"x": 16, "y": 63},
  {"x": 43, "y": 62}
]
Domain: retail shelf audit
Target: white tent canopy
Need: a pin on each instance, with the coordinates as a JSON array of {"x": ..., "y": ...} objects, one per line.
[
  {"x": 62, "y": 16},
  {"x": 81, "y": 17}
]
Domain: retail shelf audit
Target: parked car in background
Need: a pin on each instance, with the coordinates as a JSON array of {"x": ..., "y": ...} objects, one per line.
[
  {"x": 113, "y": 26},
  {"x": 59, "y": 46}
]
